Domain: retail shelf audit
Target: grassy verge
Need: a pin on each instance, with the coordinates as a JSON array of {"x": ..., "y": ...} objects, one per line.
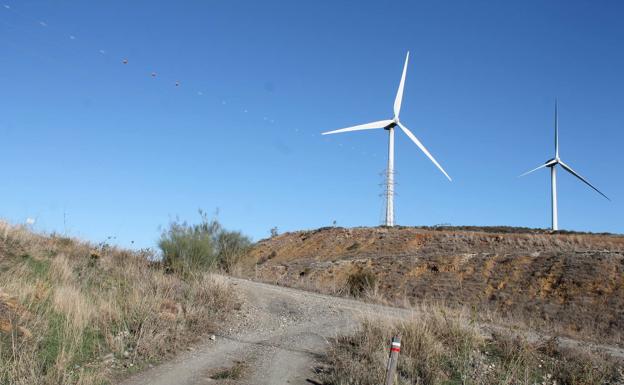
[
  {"x": 444, "y": 348},
  {"x": 76, "y": 313}
]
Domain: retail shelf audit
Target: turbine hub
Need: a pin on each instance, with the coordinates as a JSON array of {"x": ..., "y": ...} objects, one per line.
[
  {"x": 392, "y": 125},
  {"x": 552, "y": 162}
]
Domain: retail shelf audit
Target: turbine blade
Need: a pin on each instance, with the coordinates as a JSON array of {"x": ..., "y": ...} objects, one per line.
[
  {"x": 399, "y": 96},
  {"x": 367, "y": 126},
  {"x": 422, "y": 147},
  {"x": 535, "y": 169},
  {"x": 568, "y": 169},
  {"x": 556, "y": 131}
]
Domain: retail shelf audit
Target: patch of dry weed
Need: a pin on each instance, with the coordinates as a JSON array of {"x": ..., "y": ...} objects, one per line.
[{"x": 444, "y": 347}]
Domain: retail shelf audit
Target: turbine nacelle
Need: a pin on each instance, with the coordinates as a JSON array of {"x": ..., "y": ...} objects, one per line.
[
  {"x": 395, "y": 122},
  {"x": 552, "y": 162}
]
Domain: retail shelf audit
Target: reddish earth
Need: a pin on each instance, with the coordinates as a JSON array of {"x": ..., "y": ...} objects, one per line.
[{"x": 572, "y": 283}]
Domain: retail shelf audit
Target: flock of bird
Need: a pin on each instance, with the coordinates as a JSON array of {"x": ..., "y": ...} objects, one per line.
[{"x": 58, "y": 33}]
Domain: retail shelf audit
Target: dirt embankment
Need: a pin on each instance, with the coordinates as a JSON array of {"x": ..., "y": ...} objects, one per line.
[{"x": 571, "y": 284}]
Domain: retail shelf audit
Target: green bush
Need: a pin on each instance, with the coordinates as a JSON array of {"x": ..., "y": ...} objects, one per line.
[
  {"x": 231, "y": 246},
  {"x": 188, "y": 248}
]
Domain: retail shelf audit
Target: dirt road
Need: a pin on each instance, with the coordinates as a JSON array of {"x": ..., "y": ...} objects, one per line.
[{"x": 278, "y": 337}]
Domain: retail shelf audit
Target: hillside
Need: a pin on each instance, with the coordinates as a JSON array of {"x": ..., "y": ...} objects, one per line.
[{"x": 571, "y": 284}]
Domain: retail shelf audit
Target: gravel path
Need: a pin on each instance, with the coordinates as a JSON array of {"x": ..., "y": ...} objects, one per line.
[{"x": 277, "y": 338}]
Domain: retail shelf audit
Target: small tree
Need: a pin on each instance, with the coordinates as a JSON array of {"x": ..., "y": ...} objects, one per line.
[
  {"x": 274, "y": 232},
  {"x": 189, "y": 248}
]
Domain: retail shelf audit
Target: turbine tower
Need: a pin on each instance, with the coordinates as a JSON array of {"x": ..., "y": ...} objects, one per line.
[
  {"x": 552, "y": 164},
  {"x": 389, "y": 125}
]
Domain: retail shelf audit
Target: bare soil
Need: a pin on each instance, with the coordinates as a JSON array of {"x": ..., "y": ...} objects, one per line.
[{"x": 565, "y": 283}]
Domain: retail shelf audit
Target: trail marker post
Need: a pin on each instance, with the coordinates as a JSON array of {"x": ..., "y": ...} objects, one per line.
[{"x": 395, "y": 348}]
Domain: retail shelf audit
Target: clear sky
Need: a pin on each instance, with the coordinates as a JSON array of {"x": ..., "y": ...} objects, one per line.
[{"x": 96, "y": 148}]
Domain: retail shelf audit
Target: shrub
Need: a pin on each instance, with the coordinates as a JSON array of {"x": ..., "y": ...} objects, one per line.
[
  {"x": 231, "y": 246},
  {"x": 361, "y": 283},
  {"x": 190, "y": 248}
]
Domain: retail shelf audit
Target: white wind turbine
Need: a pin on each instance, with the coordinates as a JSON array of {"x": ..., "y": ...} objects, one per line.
[
  {"x": 389, "y": 125},
  {"x": 552, "y": 164}
]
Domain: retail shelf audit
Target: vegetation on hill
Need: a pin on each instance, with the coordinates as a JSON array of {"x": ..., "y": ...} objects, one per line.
[
  {"x": 188, "y": 248},
  {"x": 72, "y": 312},
  {"x": 441, "y": 347}
]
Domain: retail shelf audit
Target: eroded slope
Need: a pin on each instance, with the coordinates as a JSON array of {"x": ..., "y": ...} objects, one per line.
[{"x": 568, "y": 283}]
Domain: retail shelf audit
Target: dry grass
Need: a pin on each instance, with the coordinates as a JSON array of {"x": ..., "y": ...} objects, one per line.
[
  {"x": 442, "y": 347},
  {"x": 235, "y": 372},
  {"x": 75, "y": 313},
  {"x": 361, "y": 283}
]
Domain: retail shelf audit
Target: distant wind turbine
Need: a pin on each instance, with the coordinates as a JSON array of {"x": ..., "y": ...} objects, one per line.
[
  {"x": 389, "y": 125},
  {"x": 552, "y": 164}
]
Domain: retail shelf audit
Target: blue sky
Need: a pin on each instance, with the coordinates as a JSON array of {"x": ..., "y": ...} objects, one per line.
[{"x": 97, "y": 148}]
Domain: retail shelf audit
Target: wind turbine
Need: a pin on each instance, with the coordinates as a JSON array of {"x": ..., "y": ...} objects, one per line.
[
  {"x": 389, "y": 125},
  {"x": 552, "y": 164}
]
